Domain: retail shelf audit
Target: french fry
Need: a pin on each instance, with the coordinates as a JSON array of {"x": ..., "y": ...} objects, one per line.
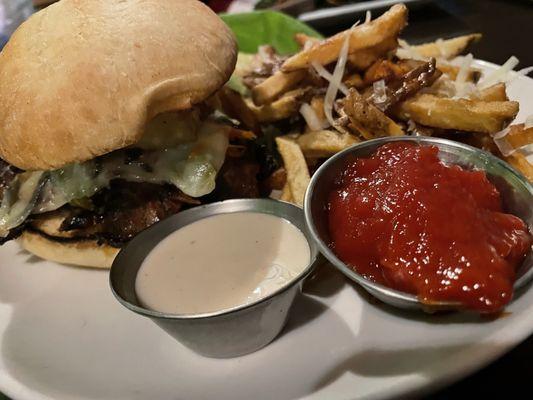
[
  {"x": 286, "y": 194},
  {"x": 458, "y": 114},
  {"x": 317, "y": 103},
  {"x": 518, "y": 136},
  {"x": 520, "y": 162},
  {"x": 285, "y": 107},
  {"x": 274, "y": 86},
  {"x": 369, "y": 121},
  {"x": 320, "y": 144},
  {"x": 494, "y": 93},
  {"x": 234, "y": 106},
  {"x": 447, "y": 49},
  {"x": 386, "y": 70},
  {"x": 240, "y": 134},
  {"x": 277, "y": 180},
  {"x": 364, "y": 58},
  {"x": 297, "y": 172},
  {"x": 472, "y": 75},
  {"x": 361, "y": 37},
  {"x": 304, "y": 40},
  {"x": 354, "y": 80}
]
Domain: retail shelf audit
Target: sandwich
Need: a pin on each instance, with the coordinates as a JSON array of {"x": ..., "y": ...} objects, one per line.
[{"x": 105, "y": 122}]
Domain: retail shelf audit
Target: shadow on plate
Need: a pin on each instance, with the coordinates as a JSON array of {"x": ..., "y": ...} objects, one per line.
[
  {"x": 71, "y": 339},
  {"x": 304, "y": 310},
  {"x": 325, "y": 281},
  {"x": 30, "y": 258},
  {"x": 424, "y": 361}
]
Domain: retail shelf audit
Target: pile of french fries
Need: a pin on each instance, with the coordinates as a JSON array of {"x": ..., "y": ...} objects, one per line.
[{"x": 385, "y": 87}]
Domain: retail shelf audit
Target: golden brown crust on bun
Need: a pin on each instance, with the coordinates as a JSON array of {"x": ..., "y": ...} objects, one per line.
[
  {"x": 85, "y": 253},
  {"x": 82, "y": 77}
]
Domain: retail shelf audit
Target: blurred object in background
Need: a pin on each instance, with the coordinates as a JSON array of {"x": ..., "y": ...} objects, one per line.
[
  {"x": 333, "y": 12},
  {"x": 12, "y": 14},
  {"x": 43, "y": 3},
  {"x": 222, "y": 5},
  {"x": 292, "y": 7},
  {"x": 307, "y": 10}
]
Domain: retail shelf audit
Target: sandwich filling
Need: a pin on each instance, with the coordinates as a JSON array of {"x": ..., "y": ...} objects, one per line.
[{"x": 115, "y": 196}]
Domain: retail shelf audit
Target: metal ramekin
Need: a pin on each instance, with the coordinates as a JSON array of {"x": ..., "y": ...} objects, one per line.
[
  {"x": 226, "y": 333},
  {"x": 516, "y": 192}
]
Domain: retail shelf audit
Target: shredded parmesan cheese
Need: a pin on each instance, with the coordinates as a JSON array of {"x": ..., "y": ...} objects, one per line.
[
  {"x": 407, "y": 51},
  {"x": 462, "y": 87},
  {"x": 527, "y": 150},
  {"x": 336, "y": 79},
  {"x": 501, "y": 74},
  {"x": 503, "y": 145},
  {"x": 505, "y": 148},
  {"x": 308, "y": 44},
  {"x": 411, "y": 127},
  {"x": 525, "y": 71},
  {"x": 380, "y": 92},
  {"x": 311, "y": 118},
  {"x": 501, "y": 134},
  {"x": 465, "y": 67},
  {"x": 263, "y": 52},
  {"x": 368, "y": 16},
  {"x": 522, "y": 72},
  {"x": 324, "y": 73},
  {"x": 442, "y": 48}
]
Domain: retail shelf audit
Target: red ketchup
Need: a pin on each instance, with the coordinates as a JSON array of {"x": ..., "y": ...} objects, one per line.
[{"x": 404, "y": 219}]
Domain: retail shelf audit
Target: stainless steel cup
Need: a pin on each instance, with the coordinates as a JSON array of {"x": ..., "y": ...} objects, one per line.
[
  {"x": 226, "y": 333},
  {"x": 516, "y": 192}
]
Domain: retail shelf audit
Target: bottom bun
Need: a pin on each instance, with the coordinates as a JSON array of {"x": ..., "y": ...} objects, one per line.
[{"x": 85, "y": 253}]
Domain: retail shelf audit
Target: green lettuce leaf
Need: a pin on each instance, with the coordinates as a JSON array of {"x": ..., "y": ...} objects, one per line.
[{"x": 267, "y": 27}]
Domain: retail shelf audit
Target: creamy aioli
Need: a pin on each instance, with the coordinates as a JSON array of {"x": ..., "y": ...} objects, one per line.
[{"x": 221, "y": 262}]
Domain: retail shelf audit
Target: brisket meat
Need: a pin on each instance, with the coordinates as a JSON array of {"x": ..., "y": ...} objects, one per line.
[{"x": 125, "y": 209}]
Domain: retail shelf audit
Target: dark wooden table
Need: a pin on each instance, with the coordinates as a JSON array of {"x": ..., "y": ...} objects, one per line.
[{"x": 507, "y": 27}]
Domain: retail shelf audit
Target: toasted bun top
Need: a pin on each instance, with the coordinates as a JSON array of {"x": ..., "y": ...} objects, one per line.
[{"x": 82, "y": 77}]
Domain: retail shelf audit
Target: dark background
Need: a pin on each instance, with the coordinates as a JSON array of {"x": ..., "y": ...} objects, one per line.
[
  {"x": 506, "y": 25},
  {"x": 507, "y": 28}
]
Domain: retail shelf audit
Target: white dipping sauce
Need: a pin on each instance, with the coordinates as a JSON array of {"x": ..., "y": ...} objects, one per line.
[{"x": 221, "y": 262}]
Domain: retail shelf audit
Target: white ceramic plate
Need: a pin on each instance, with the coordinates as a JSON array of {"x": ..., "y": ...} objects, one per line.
[{"x": 63, "y": 336}]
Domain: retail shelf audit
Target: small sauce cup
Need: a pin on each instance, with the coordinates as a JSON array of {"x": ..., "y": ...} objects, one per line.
[
  {"x": 515, "y": 190},
  {"x": 229, "y": 332}
]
